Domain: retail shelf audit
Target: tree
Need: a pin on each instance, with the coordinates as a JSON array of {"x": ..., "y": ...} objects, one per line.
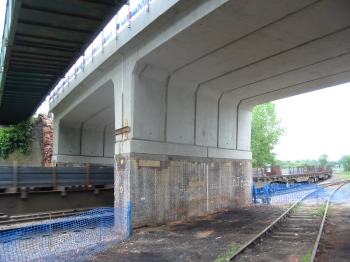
[
  {"x": 323, "y": 160},
  {"x": 342, "y": 159},
  {"x": 266, "y": 132},
  {"x": 346, "y": 164},
  {"x": 16, "y": 137}
]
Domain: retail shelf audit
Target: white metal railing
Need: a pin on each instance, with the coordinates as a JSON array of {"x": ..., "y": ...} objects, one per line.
[{"x": 117, "y": 24}]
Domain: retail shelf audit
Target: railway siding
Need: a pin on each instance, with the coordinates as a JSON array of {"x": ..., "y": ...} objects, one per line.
[
  {"x": 39, "y": 189},
  {"x": 18, "y": 177},
  {"x": 267, "y": 175},
  {"x": 295, "y": 234}
]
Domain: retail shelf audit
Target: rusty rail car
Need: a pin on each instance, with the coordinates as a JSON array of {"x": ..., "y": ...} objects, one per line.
[
  {"x": 41, "y": 189},
  {"x": 275, "y": 174}
]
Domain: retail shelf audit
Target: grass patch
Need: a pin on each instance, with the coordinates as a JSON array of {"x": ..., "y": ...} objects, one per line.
[
  {"x": 296, "y": 207},
  {"x": 330, "y": 211},
  {"x": 225, "y": 256},
  {"x": 320, "y": 211},
  {"x": 341, "y": 175},
  {"x": 307, "y": 257}
]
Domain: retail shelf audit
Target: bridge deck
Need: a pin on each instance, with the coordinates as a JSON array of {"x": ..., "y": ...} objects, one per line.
[{"x": 41, "y": 40}]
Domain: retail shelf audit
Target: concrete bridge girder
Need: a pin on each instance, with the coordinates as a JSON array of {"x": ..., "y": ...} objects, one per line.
[
  {"x": 182, "y": 112},
  {"x": 262, "y": 57},
  {"x": 88, "y": 128}
]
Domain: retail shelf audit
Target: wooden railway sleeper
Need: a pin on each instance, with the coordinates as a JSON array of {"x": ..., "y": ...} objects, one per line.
[{"x": 262, "y": 234}]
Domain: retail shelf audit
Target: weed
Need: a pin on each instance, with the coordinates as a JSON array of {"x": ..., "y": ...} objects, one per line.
[
  {"x": 297, "y": 207},
  {"x": 307, "y": 257},
  {"x": 320, "y": 211},
  {"x": 330, "y": 211},
  {"x": 225, "y": 256}
]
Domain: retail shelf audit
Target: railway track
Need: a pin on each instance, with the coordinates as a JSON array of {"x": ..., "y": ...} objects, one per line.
[
  {"x": 295, "y": 234},
  {"x": 16, "y": 221}
]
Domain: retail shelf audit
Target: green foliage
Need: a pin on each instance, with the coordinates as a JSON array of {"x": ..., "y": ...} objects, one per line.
[
  {"x": 307, "y": 257},
  {"x": 342, "y": 159},
  {"x": 332, "y": 163},
  {"x": 346, "y": 164},
  {"x": 321, "y": 210},
  {"x": 323, "y": 160},
  {"x": 266, "y": 132},
  {"x": 341, "y": 175},
  {"x": 225, "y": 256},
  {"x": 16, "y": 137},
  {"x": 297, "y": 207},
  {"x": 303, "y": 162}
]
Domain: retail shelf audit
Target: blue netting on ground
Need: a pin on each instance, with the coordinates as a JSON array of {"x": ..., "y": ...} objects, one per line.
[
  {"x": 284, "y": 194},
  {"x": 73, "y": 238},
  {"x": 342, "y": 196}
]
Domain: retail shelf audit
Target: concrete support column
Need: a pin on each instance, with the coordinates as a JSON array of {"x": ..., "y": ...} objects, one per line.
[{"x": 244, "y": 127}]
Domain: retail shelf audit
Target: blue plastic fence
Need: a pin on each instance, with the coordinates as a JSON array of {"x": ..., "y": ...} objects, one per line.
[
  {"x": 342, "y": 196},
  {"x": 73, "y": 238},
  {"x": 283, "y": 193}
]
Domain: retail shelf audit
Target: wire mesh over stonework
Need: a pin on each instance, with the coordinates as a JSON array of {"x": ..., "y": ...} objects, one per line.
[
  {"x": 73, "y": 238},
  {"x": 180, "y": 188}
]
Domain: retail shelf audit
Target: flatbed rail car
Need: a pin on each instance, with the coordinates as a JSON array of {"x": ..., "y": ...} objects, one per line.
[
  {"x": 28, "y": 190},
  {"x": 53, "y": 178},
  {"x": 274, "y": 174}
]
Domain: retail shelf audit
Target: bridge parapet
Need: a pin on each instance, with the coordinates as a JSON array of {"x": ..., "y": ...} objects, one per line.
[{"x": 121, "y": 21}]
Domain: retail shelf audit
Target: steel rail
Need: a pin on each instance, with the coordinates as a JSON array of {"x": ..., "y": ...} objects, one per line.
[
  {"x": 270, "y": 228},
  {"x": 19, "y": 219},
  {"x": 320, "y": 231},
  {"x": 41, "y": 216}
]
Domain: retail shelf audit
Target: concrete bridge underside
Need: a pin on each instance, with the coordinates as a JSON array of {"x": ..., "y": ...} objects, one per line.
[{"x": 185, "y": 78}]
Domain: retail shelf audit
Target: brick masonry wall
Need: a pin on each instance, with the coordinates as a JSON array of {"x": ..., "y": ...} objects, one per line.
[
  {"x": 47, "y": 139},
  {"x": 41, "y": 147},
  {"x": 183, "y": 188}
]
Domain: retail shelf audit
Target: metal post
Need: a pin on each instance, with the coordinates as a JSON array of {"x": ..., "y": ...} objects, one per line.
[
  {"x": 207, "y": 187},
  {"x": 255, "y": 194},
  {"x": 50, "y": 233},
  {"x": 15, "y": 175},
  {"x": 87, "y": 178},
  {"x": 128, "y": 234},
  {"x": 54, "y": 179},
  {"x": 101, "y": 226}
]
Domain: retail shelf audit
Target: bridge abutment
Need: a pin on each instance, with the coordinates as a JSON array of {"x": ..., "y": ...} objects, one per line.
[{"x": 178, "y": 187}]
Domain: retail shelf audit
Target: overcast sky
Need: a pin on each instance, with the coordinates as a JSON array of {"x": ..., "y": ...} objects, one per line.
[{"x": 316, "y": 123}]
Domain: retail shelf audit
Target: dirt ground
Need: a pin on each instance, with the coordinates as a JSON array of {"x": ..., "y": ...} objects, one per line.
[
  {"x": 335, "y": 243},
  {"x": 205, "y": 238},
  {"x": 199, "y": 239}
]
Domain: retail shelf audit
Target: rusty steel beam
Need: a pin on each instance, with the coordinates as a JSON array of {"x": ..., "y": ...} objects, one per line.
[
  {"x": 54, "y": 39},
  {"x": 46, "y": 25},
  {"x": 60, "y": 13},
  {"x": 30, "y": 202}
]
